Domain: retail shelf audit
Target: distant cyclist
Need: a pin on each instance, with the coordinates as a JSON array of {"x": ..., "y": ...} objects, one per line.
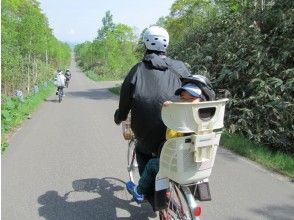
[
  {"x": 67, "y": 77},
  {"x": 59, "y": 81}
]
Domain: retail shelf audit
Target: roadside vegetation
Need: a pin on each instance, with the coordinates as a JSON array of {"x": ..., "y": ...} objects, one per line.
[
  {"x": 277, "y": 161},
  {"x": 116, "y": 90},
  {"x": 15, "y": 110},
  {"x": 30, "y": 54},
  {"x": 111, "y": 54}
]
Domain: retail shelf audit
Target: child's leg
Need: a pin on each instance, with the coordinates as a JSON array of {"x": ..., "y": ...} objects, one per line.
[
  {"x": 147, "y": 179},
  {"x": 142, "y": 160}
]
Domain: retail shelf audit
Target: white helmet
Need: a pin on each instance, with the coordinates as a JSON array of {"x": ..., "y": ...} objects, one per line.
[{"x": 156, "y": 38}]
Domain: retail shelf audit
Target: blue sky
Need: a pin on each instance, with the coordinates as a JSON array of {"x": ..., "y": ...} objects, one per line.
[{"x": 78, "y": 20}]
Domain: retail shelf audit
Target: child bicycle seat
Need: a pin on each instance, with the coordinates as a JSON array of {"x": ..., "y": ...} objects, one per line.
[
  {"x": 199, "y": 118},
  {"x": 189, "y": 159}
]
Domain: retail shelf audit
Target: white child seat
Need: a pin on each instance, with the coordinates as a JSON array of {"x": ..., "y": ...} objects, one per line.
[{"x": 189, "y": 159}]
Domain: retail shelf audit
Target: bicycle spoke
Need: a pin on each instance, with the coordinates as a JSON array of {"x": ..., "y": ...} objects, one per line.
[{"x": 178, "y": 207}]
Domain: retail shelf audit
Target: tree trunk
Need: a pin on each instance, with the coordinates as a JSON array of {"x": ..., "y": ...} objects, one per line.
[
  {"x": 29, "y": 78},
  {"x": 35, "y": 67},
  {"x": 46, "y": 57}
]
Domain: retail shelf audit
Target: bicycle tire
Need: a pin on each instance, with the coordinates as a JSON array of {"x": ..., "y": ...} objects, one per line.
[
  {"x": 132, "y": 162},
  {"x": 178, "y": 206},
  {"x": 60, "y": 95}
]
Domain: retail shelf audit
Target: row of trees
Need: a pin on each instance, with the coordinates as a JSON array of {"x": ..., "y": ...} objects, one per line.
[
  {"x": 111, "y": 54},
  {"x": 30, "y": 51}
]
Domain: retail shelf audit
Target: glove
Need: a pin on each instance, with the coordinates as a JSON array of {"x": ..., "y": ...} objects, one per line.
[{"x": 116, "y": 118}]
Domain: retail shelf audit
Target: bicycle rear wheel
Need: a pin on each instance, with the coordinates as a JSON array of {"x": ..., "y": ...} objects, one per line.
[
  {"x": 179, "y": 204},
  {"x": 60, "y": 94},
  {"x": 132, "y": 162}
]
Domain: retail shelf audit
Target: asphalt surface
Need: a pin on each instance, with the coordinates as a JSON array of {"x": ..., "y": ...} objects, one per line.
[{"x": 68, "y": 162}]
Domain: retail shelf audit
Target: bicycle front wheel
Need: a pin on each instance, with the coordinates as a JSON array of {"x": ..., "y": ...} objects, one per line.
[{"x": 179, "y": 205}]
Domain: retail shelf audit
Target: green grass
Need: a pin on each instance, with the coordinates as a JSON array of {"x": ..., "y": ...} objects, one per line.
[
  {"x": 14, "y": 112},
  {"x": 276, "y": 161},
  {"x": 115, "y": 90}
]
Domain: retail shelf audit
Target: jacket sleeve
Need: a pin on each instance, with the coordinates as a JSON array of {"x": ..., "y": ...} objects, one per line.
[{"x": 126, "y": 96}]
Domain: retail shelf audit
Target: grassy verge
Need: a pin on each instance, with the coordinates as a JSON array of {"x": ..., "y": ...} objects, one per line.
[
  {"x": 115, "y": 90},
  {"x": 14, "y": 111},
  {"x": 276, "y": 161}
]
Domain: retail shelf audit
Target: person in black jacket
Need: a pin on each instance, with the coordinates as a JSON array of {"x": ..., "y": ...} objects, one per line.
[{"x": 147, "y": 86}]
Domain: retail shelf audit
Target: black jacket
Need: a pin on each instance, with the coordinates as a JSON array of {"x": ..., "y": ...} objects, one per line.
[{"x": 145, "y": 88}]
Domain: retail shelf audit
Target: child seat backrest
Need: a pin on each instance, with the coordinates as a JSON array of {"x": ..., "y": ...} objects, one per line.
[
  {"x": 190, "y": 158},
  {"x": 202, "y": 117}
]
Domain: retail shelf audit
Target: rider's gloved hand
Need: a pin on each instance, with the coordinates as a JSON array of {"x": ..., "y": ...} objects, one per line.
[{"x": 116, "y": 118}]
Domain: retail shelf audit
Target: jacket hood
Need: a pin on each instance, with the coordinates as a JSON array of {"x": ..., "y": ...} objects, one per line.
[{"x": 155, "y": 61}]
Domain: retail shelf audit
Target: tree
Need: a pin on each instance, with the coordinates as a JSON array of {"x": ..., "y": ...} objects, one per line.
[{"x": 107, "y": 27}]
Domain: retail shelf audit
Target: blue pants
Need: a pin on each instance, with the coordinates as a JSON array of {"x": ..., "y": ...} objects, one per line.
[{"x": 147, "y": 180}]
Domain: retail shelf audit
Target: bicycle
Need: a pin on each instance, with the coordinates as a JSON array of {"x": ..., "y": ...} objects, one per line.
[
  {"x": 179, "y": 201},
  {"x": 60, "y": 94},
  {"x": 66, "y": 82},
  {"x": 177, "y": 176}
]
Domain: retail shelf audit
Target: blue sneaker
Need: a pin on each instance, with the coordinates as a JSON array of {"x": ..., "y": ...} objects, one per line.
[{"x": 132, "y": 189}]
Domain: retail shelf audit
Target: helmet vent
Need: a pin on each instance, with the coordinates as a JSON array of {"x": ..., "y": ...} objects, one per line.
[
  {"x": 152, "y": 43},
  {"x": 156, "y": 38},
  {"x": 164, "y": 39}
]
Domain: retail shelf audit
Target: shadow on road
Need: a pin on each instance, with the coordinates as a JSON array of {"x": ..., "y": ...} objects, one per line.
[
  {"x": 93, "y": 199},
  {"x": 52, "y": 100},
  {"x": 273, "y": 212},
  {"x": 96, "y": 94}
]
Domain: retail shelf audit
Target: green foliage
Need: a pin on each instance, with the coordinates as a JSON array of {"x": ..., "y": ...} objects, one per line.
[
  {"x": 112, "y": 54},
  {"x": 247, "y": 49},
  {"x": 116, "y": 89},
  {"x": 4, "y": 146},
  {"x": 14, "y": 111},
  {"x": 30, "y": 52},
  {"x": 107, "y": 27}
]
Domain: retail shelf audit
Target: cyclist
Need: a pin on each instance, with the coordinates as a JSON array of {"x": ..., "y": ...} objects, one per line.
[
  {"x": 67, "y": 77},
  {"x": 189, "y": 92},
  {"x": 148, "y": 84},
  {"x": 59, "y": 81}
]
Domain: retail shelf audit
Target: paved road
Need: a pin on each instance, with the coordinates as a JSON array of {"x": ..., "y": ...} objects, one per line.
[{"x": 68, "y": 163}]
